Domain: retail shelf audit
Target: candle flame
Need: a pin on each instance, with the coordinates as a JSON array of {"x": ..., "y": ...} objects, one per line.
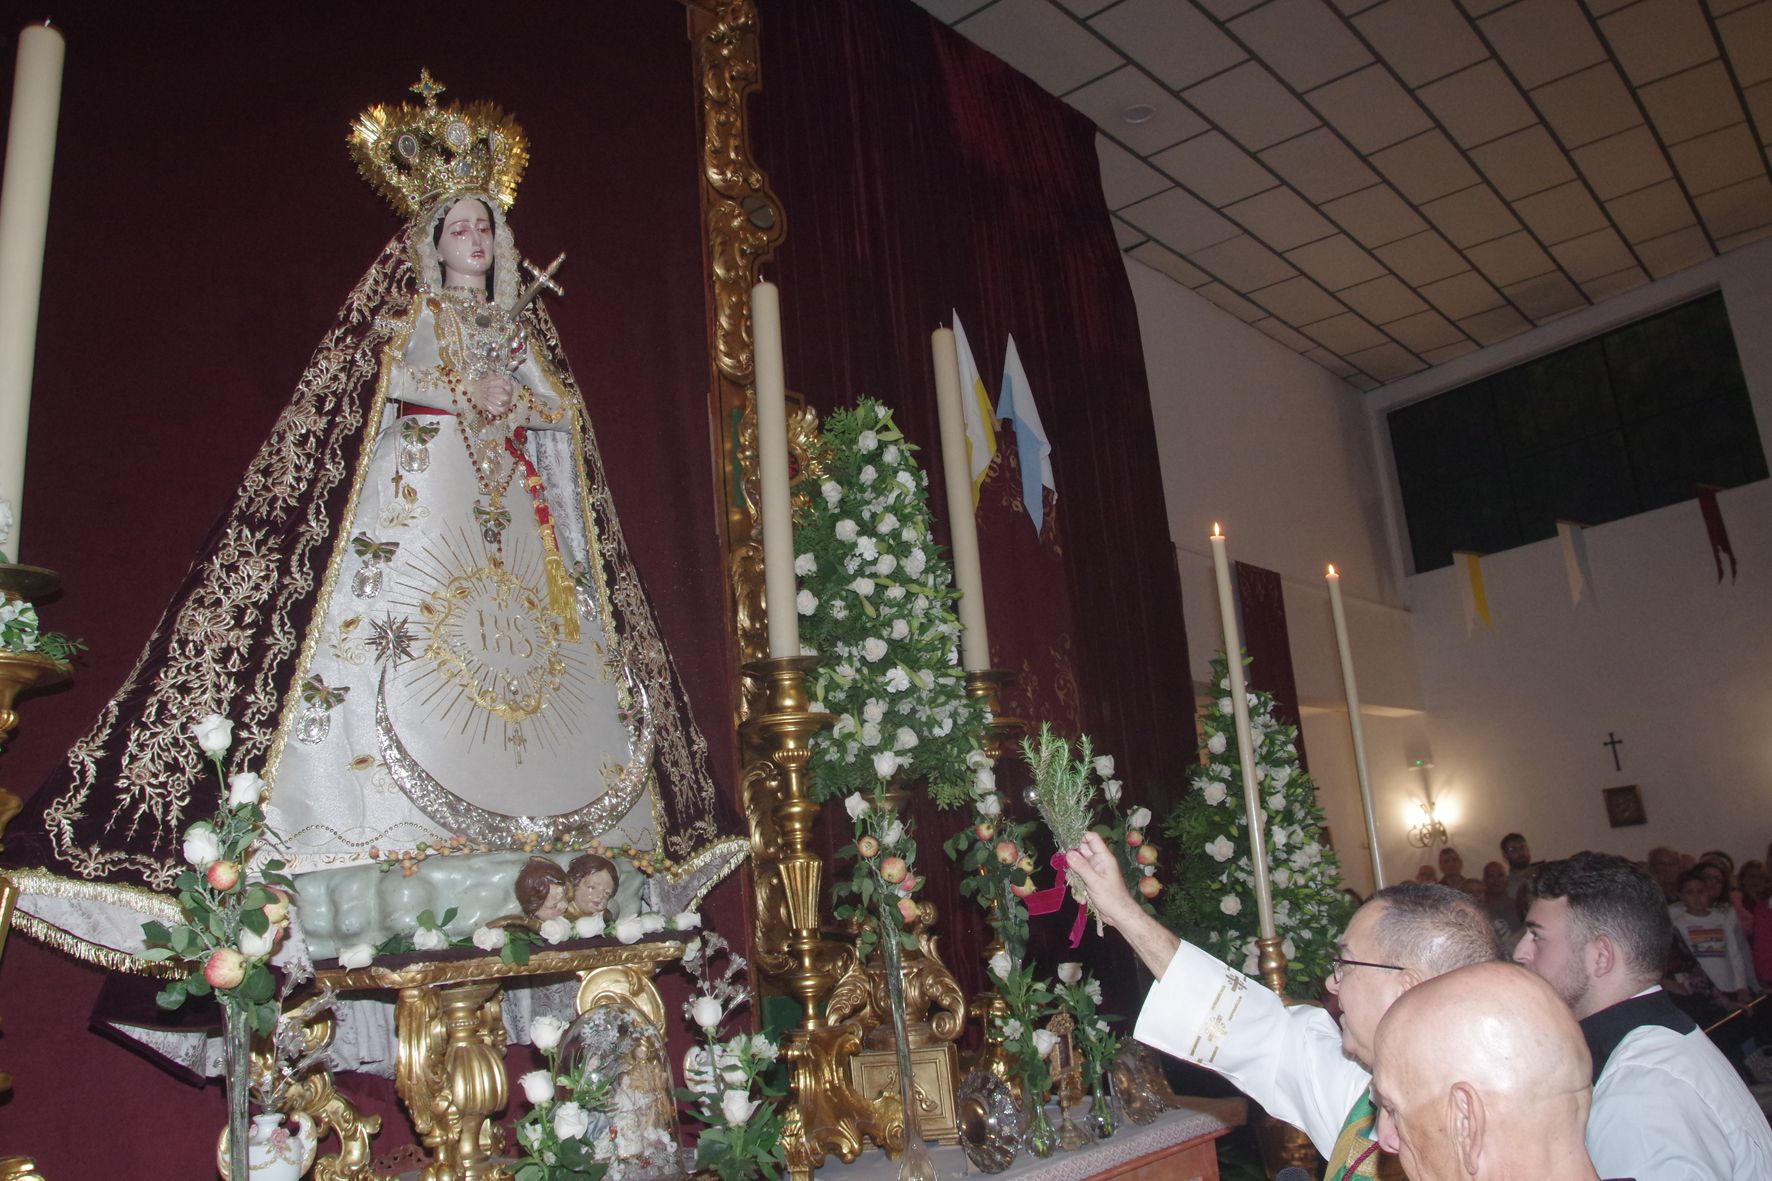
[
  {"x": 1332, "y": 572},
  {"x": 1215, "y": 530}
]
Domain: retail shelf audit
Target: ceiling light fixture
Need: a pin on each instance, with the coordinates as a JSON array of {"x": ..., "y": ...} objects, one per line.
[{"x": 1138, "y": 113}]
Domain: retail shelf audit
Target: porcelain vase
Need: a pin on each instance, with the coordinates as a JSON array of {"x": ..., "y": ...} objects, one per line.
[{"x": 276, "y": 1150}]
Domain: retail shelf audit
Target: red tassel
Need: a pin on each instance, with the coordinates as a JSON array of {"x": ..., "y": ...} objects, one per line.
[{"x": 1713, "y": 525}]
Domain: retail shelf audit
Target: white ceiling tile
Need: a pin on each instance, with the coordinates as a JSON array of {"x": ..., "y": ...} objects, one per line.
[
  {"x": 1478, "y": 104},
  {"x": 1382, "y": 300},
  {"x": 1738, "y": 208},
  {"x": 1106, "y": 98},
  {"x": 1335, "y": 262},
  {"x": 1286, "y": 334},
  {"x": 1745, "y": 238},
  {"x": 1231, "y": 302},
  {"x": 1387, "y": 362},
  {"x": 1494, "y": 325},
  {"x": 1655, "y": 38},
  {"x": 1759, "y": 102},
  {"x": 1675, "y": 251},
  {"x": 1179, "y": 220},
  {"x": 1370, "y": 109},
  {"x": 1343, "y": 334},
  {"x": 1298, "y": 301},
  {"x": 1375, "y": 216},
  {"x": 1252, "y": 105},
  {"x": 1617, "y": 283},
  {"x": 1622, "y": 163},
  {"x": 1545, "y": 297},
  {"x": 1125, "y": 236},
  {"x": 1425, "y": 167},
  {"x": 1334, "y": 364},
  {"x": 1422, "y": 258},
  {"x": 1747, "y": 35},
  {"x": 1215, "y": 169},
  {"x": 1305, "y": 42},
  {"x": 1124, "y": 177},
  {"x": 1160, "y": 258},
  {"x": 1225, "y": 9},
  {"x": 1691, "y": 103},
  {"x": 1462, "y": 296},
  {"x": 1542, "y": 40},
  {"x": 951, "y": 10},
  {"x": 1350, "y": 7},
  {"x": 1085, "y": 7},
  {"x": 1525, "y": 162},
  {"x": 1243, "y": 263},
  {"x": 1281, "y": 218},
  {"x": 1425, "y": 331},
  {"x": 1323, "y": 168},
  {"x": 1594, "y": 255},
  {"x": 1511, "y": 259},
  {"x": 1450, "y": 353},
  {"x": 1587, "y": 106},
  {"x": 1718, "y": 160},
  {"x": 1170, "y": 38},
  {"x": 1724, "y": 7},
  {"x": 1362, "y": 383},
  {"x": 1474, "y": 215},
  {"x": 1559, "y": 214},
  {"x": 1652, "y": 212},
  {"x": 1042, "y": 41},
  {"x": 1421, "y": 39}
]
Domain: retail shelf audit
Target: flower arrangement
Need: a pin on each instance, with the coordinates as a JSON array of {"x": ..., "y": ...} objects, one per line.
[
  {"x": 21, "y": 632},
  {"x": 884, "y": 879},
  {"x": 1080, "y": 996},
  {"x": 1126, "y": 833},
  {"x": 514, "y": 942},
  {"x": 1027, "y": 1002},
  {"x": 726, "y": 1085},
  {"x": 1212, "y": 902},
  {"x": 875, "y": 597},
  {"x": 996, "y": 856},
  {"x": 553, "y": 1134}
]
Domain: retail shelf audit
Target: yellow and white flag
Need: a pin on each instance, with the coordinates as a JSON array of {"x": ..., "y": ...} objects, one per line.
[
  {"x": 975, "y": 408},
  {"x": 1476, "y": 599}
]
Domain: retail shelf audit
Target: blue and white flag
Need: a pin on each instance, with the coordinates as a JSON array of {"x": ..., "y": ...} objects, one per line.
[{"x": 1016, "y": 403}]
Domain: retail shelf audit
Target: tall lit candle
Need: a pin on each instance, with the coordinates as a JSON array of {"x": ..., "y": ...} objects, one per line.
[
  {"x": 1239, "y": 692},
  {"x": 975, "y": 644},
  {"x": 1353, "y": 721},
  {"x": 24, "y": 219},
  {"x": 772, "y": 462}
]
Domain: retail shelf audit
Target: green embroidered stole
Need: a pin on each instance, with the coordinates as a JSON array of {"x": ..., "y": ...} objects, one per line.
[{"x": 1356, "y": 1150}]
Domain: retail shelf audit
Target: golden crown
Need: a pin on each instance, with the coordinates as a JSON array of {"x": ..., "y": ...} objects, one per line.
[{"x": 415, "y": 156}]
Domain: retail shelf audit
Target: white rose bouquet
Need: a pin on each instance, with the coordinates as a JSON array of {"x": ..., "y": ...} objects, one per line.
[
  {"x": 728, "y": 1090},
  {"x": 553, "y": 1136},
  {"x": 1212, "y": 901}
]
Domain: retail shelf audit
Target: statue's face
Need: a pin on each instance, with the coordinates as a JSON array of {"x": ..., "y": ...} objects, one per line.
[
  {"x": 593, "y": 891},
  {"x": 466, "y": 247},
  {"x": 554, "y": 905}
]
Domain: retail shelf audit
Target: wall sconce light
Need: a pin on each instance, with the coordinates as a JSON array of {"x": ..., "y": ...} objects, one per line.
[{"x": 1427, "y": 829}]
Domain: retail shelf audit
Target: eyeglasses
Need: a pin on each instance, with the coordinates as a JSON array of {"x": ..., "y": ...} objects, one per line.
[{"x": 1340, "y": 962}]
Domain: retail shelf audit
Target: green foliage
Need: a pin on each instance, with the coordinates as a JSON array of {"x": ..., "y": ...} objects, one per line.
[
  {"x": 733, "y": 1083},
  {"x": 546, "y": 1154},
  {"x": 1028, "y": 1002},
  {"x": 1093, "y": 1037},
  {"x": 883, "y": 865},
  {"x": 20, "y": 631},
  {"x": 1212, "y": 902}
]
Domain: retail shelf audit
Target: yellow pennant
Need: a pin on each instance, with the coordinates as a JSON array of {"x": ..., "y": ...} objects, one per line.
[{"x": 1476, "y": 599}]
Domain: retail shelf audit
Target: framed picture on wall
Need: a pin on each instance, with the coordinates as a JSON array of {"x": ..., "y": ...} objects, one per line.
[{"x": 1624, "y": 806}]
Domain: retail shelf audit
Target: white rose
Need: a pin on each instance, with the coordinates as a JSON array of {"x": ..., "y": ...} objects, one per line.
[
  {"x": 429, "y": 939},
  {"x": 571, "y": 1121},
  {"x": 202, "y": 847},
  {"x": 1093, "y": 990},
  {"x": 1213, "y": 793},
  {"x": 984, "y": 781},
  {"x": 916, "y": 563},
  {"x": 1231, "y": 904},
  {"x": 707, "y": 1011},
  {"x": 805, "y": 564},
  {"x": 894, "y": 833},
  {"x": 870, "y": 734},
  {"x": 863, "y": 587},
  {"x": 886, "y": 524},
  {"x": 245, "y": 788},
  {"x": 538, "y": 1086},
  {"x": 897, "y": 680},
  {"x": 652, "y": 922},
  {"x": 1216, "y": 744},
  {"x": 831, "y": 491},
  {"x": 868, "y": 475},
  {"x": 1104, "y": 766},
  {"x": 845, "y": 530},
  {"x": 907, "y": 480},
  {"x": 1221, "y": 849},
  {"x": 874, "y": 648},
  {"x": 855, "y": 804},
  {"x": 556, "y": 930},
  {"x": 253, "y": 945},
  {"x": 630, "y": 929},
  {"x": 214, "y": 734},
  {"x": 1070, "y": 972},
  {"x": 736, "y": 1106},
  {"x": 864, "y": 443},
  {"x": 686, "y": 920},
  {"x": 1111, "y": 790},
  {"x": 545, "y": 1032},
  {"x": 1045, "y": 1041},
  {"x": 873, "y": 711},
  {"x": 1139, "y": 818},
  {"x": 1282, "y": 876},
  {"x": 904, "y": 739},
  {"x": 1002, "y": 965},
  {"x": 901, "y": 630},
  {"x": 357, "y": 955},
  {"x": 489, "y": 938},
  {"x": 990, "y": 805},
  {"x": 885, "y": 763},
  {"x": 698, "y": 1069},
  {"x": 977, "y": 760},
  {"x": 885, "y": 566},
  {"x": 1276, "y": 801},
  {"x": 588, "y": 927},
  {"x": 1226, "y": 706},
  {"x": 806, "y": 602}
]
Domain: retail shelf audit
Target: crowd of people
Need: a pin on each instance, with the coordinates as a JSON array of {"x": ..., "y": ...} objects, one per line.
[{"x": 1579, "y": 1060}]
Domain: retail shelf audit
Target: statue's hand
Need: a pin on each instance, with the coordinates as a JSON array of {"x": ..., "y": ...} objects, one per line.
[{"x": 494, "y": 393}]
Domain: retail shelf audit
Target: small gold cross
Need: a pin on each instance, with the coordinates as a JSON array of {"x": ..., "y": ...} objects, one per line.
[{"x": 428, "y": 87}]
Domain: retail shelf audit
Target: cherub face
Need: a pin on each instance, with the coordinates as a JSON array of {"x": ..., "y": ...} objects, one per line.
[
  {"x": 593, "y": 891},
  {"x": 554, "y": 905}
]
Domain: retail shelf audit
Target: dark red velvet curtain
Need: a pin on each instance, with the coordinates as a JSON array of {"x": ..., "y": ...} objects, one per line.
[
  {"x": 205, "y": 225},
  {"x": 920, "y": 174},
  {"x": 1262, "y": 599}
]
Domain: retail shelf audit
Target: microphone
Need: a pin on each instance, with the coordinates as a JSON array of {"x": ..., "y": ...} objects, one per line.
[{"x": 1292, "y": 1173}]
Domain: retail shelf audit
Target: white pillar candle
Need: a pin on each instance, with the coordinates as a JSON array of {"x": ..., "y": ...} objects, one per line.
[
  {"x": 975, "y": 643},
  {"x": 1239, "y": 693},
  {"x": 1353, "y": 721},
  {"x": 779, "y": 586},
  {"x": 24, "y": 218}
]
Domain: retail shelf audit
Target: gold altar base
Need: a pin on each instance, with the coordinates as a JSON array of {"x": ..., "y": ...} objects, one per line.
[{"x": 874, "y": 1074}]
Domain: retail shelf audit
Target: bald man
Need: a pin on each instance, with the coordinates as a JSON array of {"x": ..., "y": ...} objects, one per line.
[{"x": 1482, "y": 1075}]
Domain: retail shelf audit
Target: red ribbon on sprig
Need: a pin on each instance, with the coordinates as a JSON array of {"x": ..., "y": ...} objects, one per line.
[{"x": 1047, "y": 901}]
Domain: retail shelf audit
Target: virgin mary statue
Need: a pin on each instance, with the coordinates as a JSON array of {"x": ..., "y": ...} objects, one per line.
[{"x": 418, "y": 612}]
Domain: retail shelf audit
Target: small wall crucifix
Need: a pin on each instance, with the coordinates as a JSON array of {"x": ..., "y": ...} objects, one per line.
[{"x": 1613, "y": 741}]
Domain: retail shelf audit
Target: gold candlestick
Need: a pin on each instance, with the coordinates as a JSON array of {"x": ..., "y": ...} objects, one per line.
[{"x": 1000, "y": 733}]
